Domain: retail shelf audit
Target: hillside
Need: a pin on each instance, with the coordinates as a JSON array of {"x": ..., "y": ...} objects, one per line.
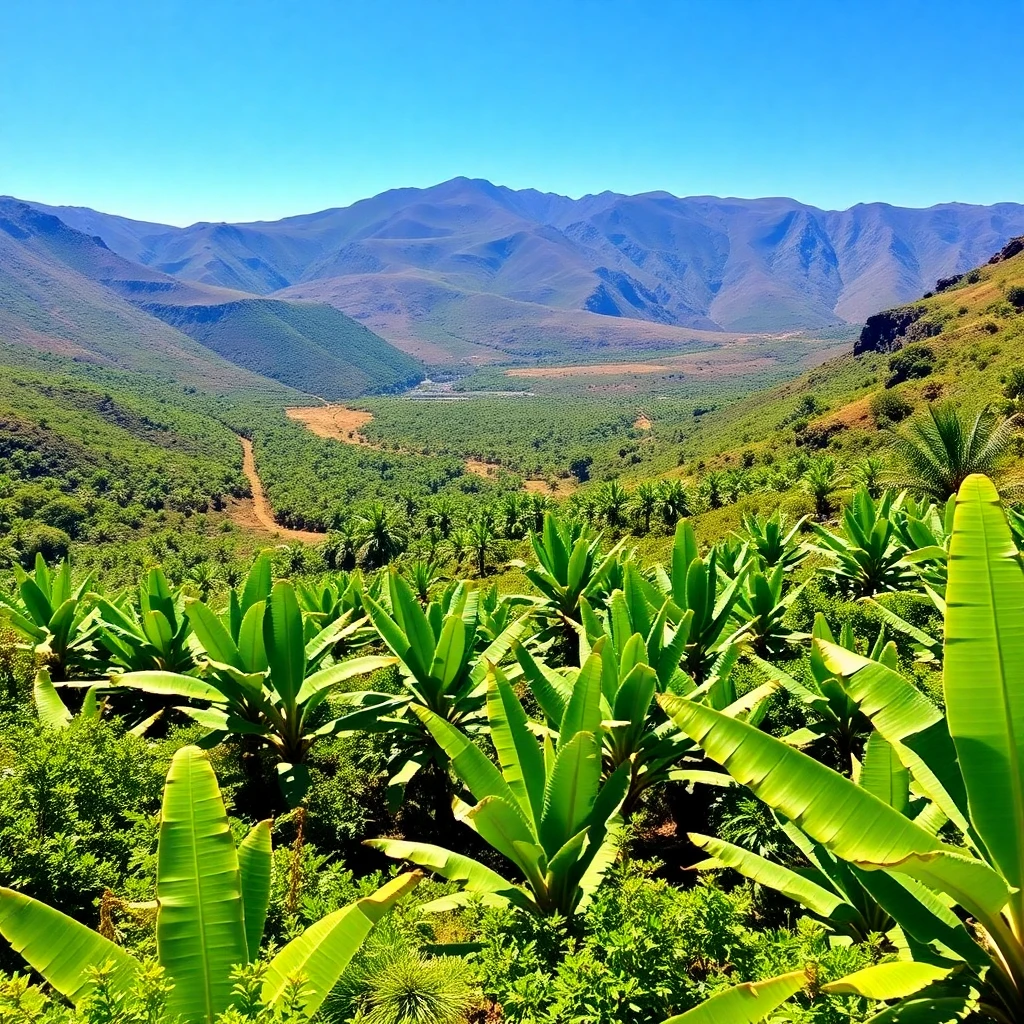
[
  {"x": 309, "y": 346},
  {"x": 478, "y": 271},
  {"x": 65, "y": 292},
  {"x": 963, "y": 343}
]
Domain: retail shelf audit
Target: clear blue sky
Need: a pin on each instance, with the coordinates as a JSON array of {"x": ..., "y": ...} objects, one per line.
[{"x": 217, "y": 110}]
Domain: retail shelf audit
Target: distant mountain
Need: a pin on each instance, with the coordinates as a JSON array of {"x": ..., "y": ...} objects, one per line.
[
  {"x": 65, "y": 291},
  {"x": 473, "y": 270}
]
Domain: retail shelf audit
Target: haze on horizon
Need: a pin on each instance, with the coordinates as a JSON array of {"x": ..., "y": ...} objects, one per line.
[{"x": 179, "y": 112}]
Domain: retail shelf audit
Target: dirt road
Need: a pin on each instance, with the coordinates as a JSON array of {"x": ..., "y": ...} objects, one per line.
[{"x": 261, "y": 509}]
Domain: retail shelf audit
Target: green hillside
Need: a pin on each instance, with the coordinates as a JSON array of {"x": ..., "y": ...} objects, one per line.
[
  {"x": 962, "y": 344},
  {"x": 120, "y": 469},
  {"x": 308, "y": 346}
]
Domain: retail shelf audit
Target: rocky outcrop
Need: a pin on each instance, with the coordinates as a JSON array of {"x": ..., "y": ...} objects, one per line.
[
  {"x": 886, "y": 331},
  {"x": 1011, "y": 249}
]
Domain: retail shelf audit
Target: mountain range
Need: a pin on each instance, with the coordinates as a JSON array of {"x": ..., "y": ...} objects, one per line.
[
  {"x": 67, "y": 293},
  {"x": 470, "y": 270}
]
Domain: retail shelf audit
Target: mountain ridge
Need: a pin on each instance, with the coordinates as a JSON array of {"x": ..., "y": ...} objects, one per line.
[
  {"x": 697, "y": 263},
  {"x": 68, "y": 293}
]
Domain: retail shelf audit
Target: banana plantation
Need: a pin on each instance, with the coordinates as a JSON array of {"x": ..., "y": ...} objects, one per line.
[{"x": 774, "y": 779}]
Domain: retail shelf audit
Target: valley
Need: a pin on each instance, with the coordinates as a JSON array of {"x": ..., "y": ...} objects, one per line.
[{"x": 285, "y": 535}]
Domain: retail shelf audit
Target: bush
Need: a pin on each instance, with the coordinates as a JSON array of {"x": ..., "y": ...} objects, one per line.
[
  {"x": 75, "y": 808},
  {"x": 910, "y": 363},
  {"x": 889, "y": 407},
  {"x": 1015, "y": 296},
  {"x": 48, "y": 541},
  {"x": 1014, "y": 386}
]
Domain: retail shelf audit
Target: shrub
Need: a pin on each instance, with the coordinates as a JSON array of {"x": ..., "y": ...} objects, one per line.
[
  {"x": 910, "y": 363},
  {"x": 889, "y": 407},
  {"x": 74, "y": 810},
  {"x": 1014, "y": 386},
  {"x": 1015, "y": 296},
  {"x": 39, "y": 539}
]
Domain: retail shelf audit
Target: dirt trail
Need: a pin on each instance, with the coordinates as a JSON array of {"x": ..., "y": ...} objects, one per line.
[{"x": 261, "y": 509}]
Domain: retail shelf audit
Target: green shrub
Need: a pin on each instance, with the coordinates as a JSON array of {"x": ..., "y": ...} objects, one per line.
[
  {"x": 1015, "y": 296},
  {"x": 910, "y": 363},
  {"x": 889, "y": 407},
  {"x": 75, "y": 811}
]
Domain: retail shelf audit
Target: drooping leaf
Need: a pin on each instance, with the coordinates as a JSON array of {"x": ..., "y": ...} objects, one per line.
[
  {"x": 60, "y": 948},
  {"x": 52, "y": 711},
  {"x": 323, "y": 951},
  {"x": 744, "y": 1004}
]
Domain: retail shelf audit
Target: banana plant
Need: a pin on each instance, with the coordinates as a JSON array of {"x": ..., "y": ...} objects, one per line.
[
  {"x": 760, "y": 612},
  {"x": 570, "y": 567},
  {"x": 870, "y": 558},
  {"x": 693, "y": 586},
  {"x": 337, "y": 597},
  {"x": 442, "y": 669},
  {"x": 153, "y": 634},
  {"x": 498, "y": 611},
  {"x": 635, "y": 732},
  {"x": 966, "y": 763},
  {"x": 211, "y": 907},
  {"x": 772, "y": 544},
  {"x": 544, "y": 807},
  {"x": 845, "y": 898},
  {"x": 837, "y": 728},
  {"x": 54, "y": 713},
  {"x": 269, "y": 682},
  {"x": 56, "y": 618},
  {"x": 925, "y": 529}
]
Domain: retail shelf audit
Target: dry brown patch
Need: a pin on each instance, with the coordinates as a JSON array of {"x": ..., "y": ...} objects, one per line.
[
  {"x": 481, "y": 468},
  {"x": 855, "y": 414},
  {"x": 561, "y": 488},
  {"x": 257, "y": 513},
  {"x": 642, "y": 422},
  {"x": 333, "y": 421}
]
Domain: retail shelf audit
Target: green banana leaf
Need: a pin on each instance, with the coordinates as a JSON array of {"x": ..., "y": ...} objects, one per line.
[
  {"x": 744, "y": 1004},
  {"x": 476, "y": 877},
  {"x": 895, "y": 980},
  {"x": 60, "y": 948},
  {"x": 826, "y": 904},
  {"x": 323, "y": 951},
  {"x": 52, "y": 711},
  {"x": 852, "y": 823},
  {"x": 255, "y": 866},
  {"x": 284, "y": 641},
  {"x": 984, "y": 673},
  {"x": 519, "y": 753},
  {"x": 200, "y": 930}
]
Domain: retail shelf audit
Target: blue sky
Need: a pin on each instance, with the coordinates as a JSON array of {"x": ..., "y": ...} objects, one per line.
[{"x": 217, "y": 110}]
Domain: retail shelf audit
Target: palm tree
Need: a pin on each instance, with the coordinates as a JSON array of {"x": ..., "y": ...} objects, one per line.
[
  {"x": 868, "y": 474},
  {"x": 481, "y": 534},
  {"x": 204, "y": 577},
  {"x": 511, "y": 511},
  {"x": 380, "y": 534},
  {"x": 821, "y": 478},
  {"x": 943, "y": 448},
  {"x": 613, "y": 501},
  {"x": 673, "y": 501},
  {"x": 645, "y": 503}
]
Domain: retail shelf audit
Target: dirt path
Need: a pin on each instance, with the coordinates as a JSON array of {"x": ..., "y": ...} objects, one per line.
[{"x": 259, "y": 506}]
